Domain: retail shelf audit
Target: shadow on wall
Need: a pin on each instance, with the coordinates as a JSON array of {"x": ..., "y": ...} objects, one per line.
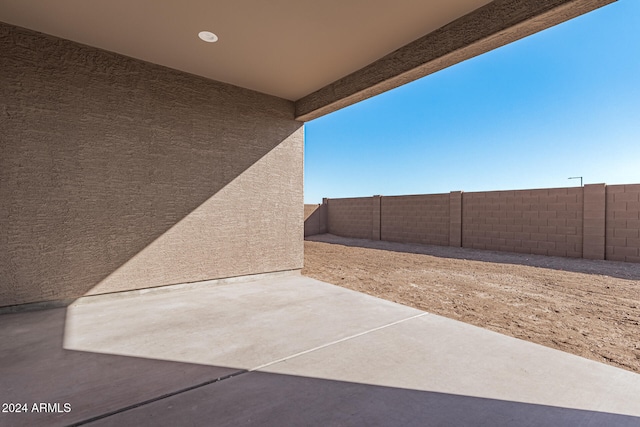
[
  {"x": 622, "y": 270},
  {"x": 130, "y": 390},
  {"x": 315, "y": 219},
  {"x": 103, "y": 155}
]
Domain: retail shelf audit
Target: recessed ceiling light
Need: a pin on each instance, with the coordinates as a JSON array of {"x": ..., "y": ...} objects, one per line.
[{"x": 208, "y": 36}]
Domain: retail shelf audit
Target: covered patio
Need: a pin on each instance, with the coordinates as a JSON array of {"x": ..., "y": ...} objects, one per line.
[
  {"x": 151, "y": 224},
  {"x": 285, "y": 349}
]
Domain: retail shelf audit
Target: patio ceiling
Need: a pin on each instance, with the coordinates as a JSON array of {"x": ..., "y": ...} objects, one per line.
[{"x": 323, "y": 54}]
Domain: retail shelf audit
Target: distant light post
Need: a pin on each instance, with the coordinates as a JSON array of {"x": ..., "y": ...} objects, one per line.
[{"x": 577, "y": 177}]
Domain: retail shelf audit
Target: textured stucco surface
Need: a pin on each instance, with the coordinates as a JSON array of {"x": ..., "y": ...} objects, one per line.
[
  {"x": 116, "y": 174},
  {"x": 493, "y": 25}
]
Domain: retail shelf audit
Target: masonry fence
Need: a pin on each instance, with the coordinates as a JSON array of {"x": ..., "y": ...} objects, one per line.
[{"x": 596, "y": 221}]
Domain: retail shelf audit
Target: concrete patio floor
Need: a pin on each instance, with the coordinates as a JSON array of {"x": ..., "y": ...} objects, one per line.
[{"x": 289, "y": 350}]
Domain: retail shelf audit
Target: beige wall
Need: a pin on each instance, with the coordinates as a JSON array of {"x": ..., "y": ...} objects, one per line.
[
  {"x": 117, "y": 174},
  {"x": 595, "y": 221},
  {"x": 544, "y": 222},
  {"x": 416, "y": 219},
  {"x": 350, "y": 217},
  {"x": 623, "y": 222},
  {"x": 315, "y": 219}
]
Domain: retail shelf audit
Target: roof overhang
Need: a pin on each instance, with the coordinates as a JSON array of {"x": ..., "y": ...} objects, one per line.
[
  {"x": 323, "y": 55},
  {"x": 496, "y": 24}
]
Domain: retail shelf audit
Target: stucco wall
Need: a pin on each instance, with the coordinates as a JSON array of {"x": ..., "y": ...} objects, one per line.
[{"x": 116, "y": 174}]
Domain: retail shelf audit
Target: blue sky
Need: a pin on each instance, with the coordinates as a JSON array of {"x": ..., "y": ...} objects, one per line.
[{"x": 564, "y": 102}]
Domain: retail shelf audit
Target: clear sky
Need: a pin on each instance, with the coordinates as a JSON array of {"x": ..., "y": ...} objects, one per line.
[{"x": 564, "y": 102}]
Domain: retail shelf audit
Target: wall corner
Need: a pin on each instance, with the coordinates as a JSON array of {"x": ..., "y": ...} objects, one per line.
[{"x": 324, "y": 208}]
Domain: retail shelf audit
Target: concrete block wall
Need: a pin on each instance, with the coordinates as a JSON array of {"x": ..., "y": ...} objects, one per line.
[
  {"x": 351, "y": 217},
  {"x": 594, "y": 213},
  {"x": 455, "y": 218},
  {"x": 376, "y": 216},
  {"x": 545, "y": 222},
  {"x": 595, "y": 221},
  {"x": 315, "y": 219},
  {"x": 623, "y": 222},
  {"x": 416, "y": 219}
]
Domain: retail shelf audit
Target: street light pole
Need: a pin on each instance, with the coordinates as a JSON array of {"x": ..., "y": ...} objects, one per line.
[{"x": 576, "y": 177}]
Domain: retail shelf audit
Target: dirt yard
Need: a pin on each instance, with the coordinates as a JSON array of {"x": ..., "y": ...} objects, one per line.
[{"x": 588, "y": 308}]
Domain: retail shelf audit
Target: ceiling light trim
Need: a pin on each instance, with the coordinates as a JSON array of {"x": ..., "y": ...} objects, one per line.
[{"x": 208, "y": 36}]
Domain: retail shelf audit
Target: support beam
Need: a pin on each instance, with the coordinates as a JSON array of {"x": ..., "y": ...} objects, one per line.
[{"x": 489, "y": 27}]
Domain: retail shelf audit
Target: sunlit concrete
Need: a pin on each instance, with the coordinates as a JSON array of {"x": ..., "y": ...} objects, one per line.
[
  {"x": 240, "y": 324},
  {"x": 433, "y": 353},
  {"x": 289, "y": 350}
]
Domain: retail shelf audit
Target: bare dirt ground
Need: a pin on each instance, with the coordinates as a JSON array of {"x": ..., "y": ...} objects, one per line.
[{"x": 588, "y": 308}]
